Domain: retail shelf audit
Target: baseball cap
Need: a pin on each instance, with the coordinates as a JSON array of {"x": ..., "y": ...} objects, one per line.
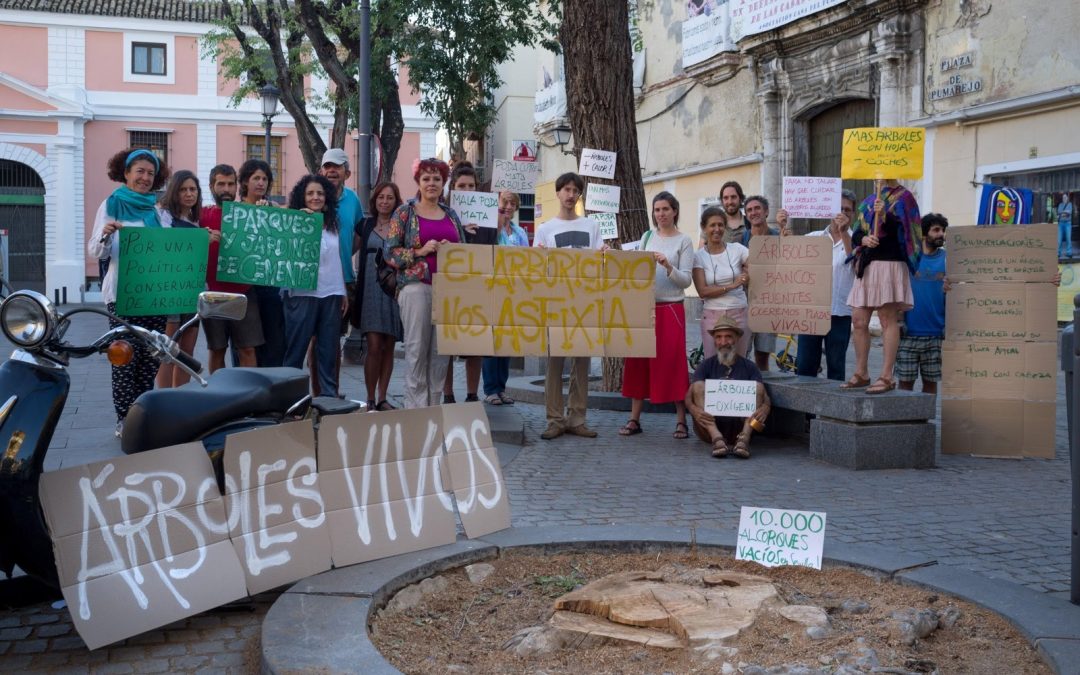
[{"x": 335, "y": 156}]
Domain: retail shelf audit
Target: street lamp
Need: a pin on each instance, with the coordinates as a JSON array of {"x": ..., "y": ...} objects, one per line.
[
  {"x": 269, "y": 95},
  {"x": 562, "y": 137}
]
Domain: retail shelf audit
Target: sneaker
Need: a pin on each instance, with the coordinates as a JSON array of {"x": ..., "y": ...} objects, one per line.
[
  {"x": 120, "y": 429},
  {"x": 582, "y": 430},
  {"x": 553, "y": 431}
]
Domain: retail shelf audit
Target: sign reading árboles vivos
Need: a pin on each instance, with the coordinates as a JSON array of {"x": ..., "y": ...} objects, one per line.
[{"x": 145, "y": 540}]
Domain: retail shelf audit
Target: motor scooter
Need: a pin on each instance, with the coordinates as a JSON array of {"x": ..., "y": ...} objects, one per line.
[{"x": 34, "y": 385}]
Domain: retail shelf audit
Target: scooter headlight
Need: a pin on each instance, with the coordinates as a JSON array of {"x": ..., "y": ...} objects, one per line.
[{"x": 27, "y": 318}]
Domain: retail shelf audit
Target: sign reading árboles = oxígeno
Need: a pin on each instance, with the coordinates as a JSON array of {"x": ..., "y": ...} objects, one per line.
[{"x": 269, "y": 246}]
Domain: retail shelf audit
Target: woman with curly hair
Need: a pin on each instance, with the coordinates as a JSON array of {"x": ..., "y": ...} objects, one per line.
[
  {"x": 417, "y": 229},
  {"x": 180, "y": 206},
  {"x": 139, "y": 173},
  {"x": 317, "y": 313}
]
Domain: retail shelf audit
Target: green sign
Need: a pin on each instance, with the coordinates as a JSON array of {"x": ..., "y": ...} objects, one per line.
[
  {"x": 269, "y": 246},
  {"x": 162, "y": 270}
]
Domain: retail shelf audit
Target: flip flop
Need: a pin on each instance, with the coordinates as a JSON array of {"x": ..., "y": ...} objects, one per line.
[
  {"x": 856, "y": 382},
  {"x": 631, "y": 428}
]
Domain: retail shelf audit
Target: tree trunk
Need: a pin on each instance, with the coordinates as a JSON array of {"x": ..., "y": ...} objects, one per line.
[
  {"x": 600, "y": 102},
  {"x": 392, "y": 124}
]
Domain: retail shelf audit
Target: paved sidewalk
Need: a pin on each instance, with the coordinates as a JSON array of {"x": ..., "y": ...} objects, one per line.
[{"x": 1007, "y": 519}]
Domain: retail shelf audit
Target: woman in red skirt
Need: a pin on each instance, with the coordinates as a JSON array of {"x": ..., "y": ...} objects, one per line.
[{"x": 664, "y": 378}]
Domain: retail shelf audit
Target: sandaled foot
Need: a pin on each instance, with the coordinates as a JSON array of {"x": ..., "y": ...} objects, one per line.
[
  {"x": 371, "y": 405},
  {"x": 384, "y": 405},
  {"x": 505, "y": 399},
  {"x": 631, "y": 428},
  {"x": 681, "y": 430},
  {"x": 881, "y": 385},
  {"x": 472, "y": 398},
  {"x": 856, "y": 382},
  {"x": 719, "y": 448},
  {"x": 742, "y": 448},
  {"x": 493, "y": 400}
]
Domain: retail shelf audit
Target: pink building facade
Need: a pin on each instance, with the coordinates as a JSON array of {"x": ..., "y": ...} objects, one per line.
[{"x": 79, "y": 86}]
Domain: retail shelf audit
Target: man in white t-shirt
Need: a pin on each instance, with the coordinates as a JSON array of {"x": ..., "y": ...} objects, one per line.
[{"x": 568, "y": 230}]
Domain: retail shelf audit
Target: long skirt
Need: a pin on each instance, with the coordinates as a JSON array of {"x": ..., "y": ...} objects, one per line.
[{"x": 665, "y": 377}]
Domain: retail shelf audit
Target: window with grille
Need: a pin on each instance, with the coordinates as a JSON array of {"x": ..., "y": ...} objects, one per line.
[
  {"x": 148, "y": 58},
  {"x": 154, "y": 141},
  {"x": 254, "y": 149},
  {"x": 527, "y": 213}
]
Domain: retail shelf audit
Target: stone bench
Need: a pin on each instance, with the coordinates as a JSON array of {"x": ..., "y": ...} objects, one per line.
[{"x": 852, "y": 428}]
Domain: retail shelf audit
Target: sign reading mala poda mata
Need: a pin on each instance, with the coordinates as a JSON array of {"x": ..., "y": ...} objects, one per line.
[
  {"x": 882, "y": 152},
  {"x": 999, "y": 358},
  {"x": 141, "y": 541},
  {"x": 774, "y": 537},
  {"x": 790, "y": 285},
  {"x": 269, "y": 246},
  {"x": 162, "y": 270}
]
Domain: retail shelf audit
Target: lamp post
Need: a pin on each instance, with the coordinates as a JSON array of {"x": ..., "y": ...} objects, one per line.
[
  {"x": 268, "y": 95},
  {"x": 562, "y": 137}
]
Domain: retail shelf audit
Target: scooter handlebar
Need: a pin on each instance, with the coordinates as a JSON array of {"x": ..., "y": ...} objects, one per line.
[{"x": 188, "y": 361}]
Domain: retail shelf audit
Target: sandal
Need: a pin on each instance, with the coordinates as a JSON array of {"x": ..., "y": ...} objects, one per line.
[
  {"x": 493, "y": 399},
  {"x": 384, "y": 405},
  {"x": 881, "y": 385},
  {"x": 719, "y": 447},
  {"x": 505, "y": 399},
  {"x": 371, "y": 405},
  {"x": 631, "y": 428},
  {"x": 448, "y": 398},
  {"x": 742, "y": 447},
  {"x": 856, "y": 382},
  {"x": 681, "y": 430}
]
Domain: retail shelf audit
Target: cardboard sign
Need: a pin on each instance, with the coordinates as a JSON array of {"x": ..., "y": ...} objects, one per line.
[
  {"x": 162, "y": 270},
  {"x": 269, "y": 246},
  {"x": 1070, "y": 286},
  {"x": 774, "y": 537},
  {"x": 811, "y": 197},
  {"x": 597, "y": 164},
  {"x": 140, "y": 541},
  {"x": 1004, "y": 253},
  {"x": 602, "y": 198},
  {"x": 790, "y": 285},
  {"x": 609, "y": 226},
  {"x": 882, "y": 152},
  {"x": 1005, "y": 312},
  {"x": 147, "y": 539},
  {"x": 999, "y": 359},
  {"x": 730, "y": 398},
  {"x": 516, "y": 176},
  {"x": 509, "y": 300},
  {"x": 476, "y": 208}
]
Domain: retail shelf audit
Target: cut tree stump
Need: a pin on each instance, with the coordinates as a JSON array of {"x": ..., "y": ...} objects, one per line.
[{"x": 699, "y": 608}]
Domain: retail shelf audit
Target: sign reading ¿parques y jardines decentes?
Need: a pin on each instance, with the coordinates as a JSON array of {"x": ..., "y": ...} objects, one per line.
[
  {"x": 269, "y": 246},
  {"x": 143, "y": 540}
]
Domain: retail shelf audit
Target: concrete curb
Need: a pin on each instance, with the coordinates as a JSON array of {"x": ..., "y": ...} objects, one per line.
[{"x": 321, "y": 622}]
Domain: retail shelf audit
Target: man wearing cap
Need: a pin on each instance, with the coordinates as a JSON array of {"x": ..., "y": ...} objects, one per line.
[
  {"x": 727, "y": 435},
  {"x": 335, "y": 168}
]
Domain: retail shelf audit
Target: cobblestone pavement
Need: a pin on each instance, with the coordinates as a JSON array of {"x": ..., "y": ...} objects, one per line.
[{"x": 1006, "y": 519}]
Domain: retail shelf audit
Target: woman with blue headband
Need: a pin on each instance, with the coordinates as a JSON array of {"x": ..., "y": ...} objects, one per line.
[{"x": 131, "y": 205}]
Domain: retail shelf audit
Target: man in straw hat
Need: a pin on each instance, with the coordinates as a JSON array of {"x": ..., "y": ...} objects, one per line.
[{"x": 728, "y": 435}]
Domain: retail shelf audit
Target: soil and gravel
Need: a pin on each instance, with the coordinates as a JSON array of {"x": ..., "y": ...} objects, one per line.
[{"x": 461, "y": 627}]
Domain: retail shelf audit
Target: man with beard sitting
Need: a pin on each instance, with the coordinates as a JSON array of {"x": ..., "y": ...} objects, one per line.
[{"x": 726, "y": 434}]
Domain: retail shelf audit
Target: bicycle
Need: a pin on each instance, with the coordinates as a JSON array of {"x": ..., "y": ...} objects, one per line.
[{"x": 785, "y": 357}]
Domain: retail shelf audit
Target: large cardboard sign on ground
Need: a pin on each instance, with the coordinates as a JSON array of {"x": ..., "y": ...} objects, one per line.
[
  {"x": 162, "y": 270},
  {"x": 790, "y": 285},
  {"x": 510, "y": 300},
  {"x": 269, "y": 246},
  {"x": 882, "y": 152},
  {"x": 999, "y": 359},
  {"x": 148, "y": 539}
]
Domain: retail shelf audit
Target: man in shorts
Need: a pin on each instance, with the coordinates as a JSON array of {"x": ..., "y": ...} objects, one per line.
[
  {"x": 919, "y": 353},
  {"x": 246, "y": 334}
]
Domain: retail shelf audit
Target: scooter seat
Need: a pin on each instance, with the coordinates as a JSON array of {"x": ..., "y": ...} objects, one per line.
[{"x": 164, "y": 417}]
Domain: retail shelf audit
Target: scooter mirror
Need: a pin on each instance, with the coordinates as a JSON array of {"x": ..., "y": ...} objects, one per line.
[{"x": 217, "y": 305}]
